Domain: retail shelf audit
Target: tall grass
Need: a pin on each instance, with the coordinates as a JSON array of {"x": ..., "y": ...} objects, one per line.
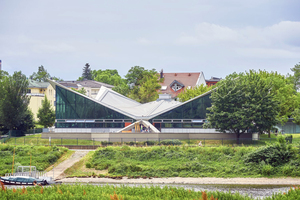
[
  {"x": 39, "y": 156},
  {"x": 184, "y": 161},
  {"x": 109, "y": 192}
]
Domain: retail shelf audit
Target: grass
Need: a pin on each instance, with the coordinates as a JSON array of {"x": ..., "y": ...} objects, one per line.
[
  {"x": 39, "y": 156},
  {"x": 64, "y": 157},
  {"x": 111, "y": 192},
  {"x": 37, "y": 140},
  {"x": 79, "y": 168},
  {"x": 274, "y": 160}
]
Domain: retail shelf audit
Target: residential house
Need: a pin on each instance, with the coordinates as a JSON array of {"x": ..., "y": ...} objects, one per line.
[
  {"x": 91, "y": 87},
  {"x": 37, "y": 92},
  {"x": 212, "y": 81},
  {"x": 174, "y": 83}
]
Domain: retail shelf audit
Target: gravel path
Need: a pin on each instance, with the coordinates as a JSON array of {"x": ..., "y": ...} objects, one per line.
[
  {"x": 59, "y": 169},
  {"x": 200, "y": 181}
]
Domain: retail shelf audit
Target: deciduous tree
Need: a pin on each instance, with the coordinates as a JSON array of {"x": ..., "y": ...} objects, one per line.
[
  {"x": 42, "y": 75},
  {"x": 193, "y": 92},
  {"x": 46, "y": 114},
  {"x": 242, "y": 104},
  {"x": 14, "y": 102},
  {"x": 295, "y": 77},
  {"x": 143, "y": 84}
]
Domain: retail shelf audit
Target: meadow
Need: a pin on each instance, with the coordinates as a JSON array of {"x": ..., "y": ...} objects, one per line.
[
  {"x": 273, "y": 160},
  {"x": 40, "y": 156}
]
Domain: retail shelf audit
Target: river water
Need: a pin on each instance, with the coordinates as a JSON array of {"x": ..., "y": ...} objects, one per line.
[{"x": 256, "y": 191}]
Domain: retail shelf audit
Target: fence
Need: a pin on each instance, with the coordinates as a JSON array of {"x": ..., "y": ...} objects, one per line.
[{"x": 139, "y": 141}]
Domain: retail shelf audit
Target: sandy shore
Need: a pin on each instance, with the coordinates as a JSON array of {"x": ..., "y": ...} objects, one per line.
[{"x": 200, "y": 181}]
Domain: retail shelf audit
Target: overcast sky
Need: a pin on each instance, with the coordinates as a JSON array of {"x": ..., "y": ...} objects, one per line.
[{"x": 218, "y": 37}]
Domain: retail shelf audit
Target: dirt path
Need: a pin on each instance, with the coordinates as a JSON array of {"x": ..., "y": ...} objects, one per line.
[
  {"x": 59, "y": 169},
  {"x": 196, "y": 181}
]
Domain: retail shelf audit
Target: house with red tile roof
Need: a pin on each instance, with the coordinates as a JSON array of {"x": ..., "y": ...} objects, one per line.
[
  {"x": 212, "y": 81},
  {"x": 174, "y": 83}
]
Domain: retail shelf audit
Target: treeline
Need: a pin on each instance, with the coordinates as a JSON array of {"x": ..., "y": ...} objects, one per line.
[{"x": 139, "y": 83}]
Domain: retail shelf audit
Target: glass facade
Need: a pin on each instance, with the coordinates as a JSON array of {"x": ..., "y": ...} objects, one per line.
[
  {"x": 189, "y": 115},
  {"x": 73, "y": 106}
]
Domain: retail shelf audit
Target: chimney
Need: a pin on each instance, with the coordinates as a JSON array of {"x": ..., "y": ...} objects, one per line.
[{"x": 161, "y": 73}]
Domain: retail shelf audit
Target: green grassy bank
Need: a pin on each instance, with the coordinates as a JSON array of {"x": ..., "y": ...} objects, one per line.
[
  {"x": 39, "y": 156},
  {"x": 37, "y": 140},
  {"x": 65, "y": 192},
  {"x": 274, "y": 160}
]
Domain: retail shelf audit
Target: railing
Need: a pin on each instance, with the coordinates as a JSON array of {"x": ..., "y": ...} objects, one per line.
[{"x": 30, "y": 174}]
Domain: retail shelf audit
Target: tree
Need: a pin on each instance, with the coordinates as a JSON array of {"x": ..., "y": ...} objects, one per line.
[
  {"x": 136, "y": 75},
  {"x": 14, "y": 102},
  {"x": 143, "y": 84},
  {"x": 188, "y": 94},
  {"x": 46, "y": 114},
  {"x": 148, "y": 90},
  {"x": 243, "y": 104},
  {"x": 295, "y": 78},
  {"x": 42, "y": 75},
  {"x": 86, "y": 74},
  {"x": 284, "y": 92},
  {"x": 81, "y": 91}
]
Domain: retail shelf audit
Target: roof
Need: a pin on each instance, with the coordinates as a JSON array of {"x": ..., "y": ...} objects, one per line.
[
  {"x": 213, "y": 79},
  {"x": 186, "y": 79},
  {"x": 85, "y": 83},
  {"x": 124, "y": 105},
  {"x": 36, "y": 84}
]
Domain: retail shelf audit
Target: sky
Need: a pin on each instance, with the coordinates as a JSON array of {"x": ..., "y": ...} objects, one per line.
[{"x": 217, "y": 37}]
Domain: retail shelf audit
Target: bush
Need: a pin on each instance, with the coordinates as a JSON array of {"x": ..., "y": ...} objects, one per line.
[
  {"x": 275, "y": 154},
  {"x": 88, "y": 165},
  {"x": 266, "y": 169},
  {"x": 105, "y": 143},
  {"x": 149, "y": 143},
  {"x": 171, "y": 142}
]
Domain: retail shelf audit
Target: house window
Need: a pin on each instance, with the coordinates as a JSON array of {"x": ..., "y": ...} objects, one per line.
[
  {"x": 176, "y": 87},
  {"x": 29, "y": 91}
]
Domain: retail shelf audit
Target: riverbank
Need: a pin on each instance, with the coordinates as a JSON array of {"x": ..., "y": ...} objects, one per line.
[{"x": 194, "y": 181}]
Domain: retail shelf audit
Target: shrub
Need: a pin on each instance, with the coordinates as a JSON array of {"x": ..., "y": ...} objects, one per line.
[
  {"x": 149, "y": 143},
  {"x": 88, "y": 165},
  {"x": 266, "y": 169},
  {"x": 171, "y": 142},
  {"x": 275, "y": 154},
  {"x": 105, "y": 143}
]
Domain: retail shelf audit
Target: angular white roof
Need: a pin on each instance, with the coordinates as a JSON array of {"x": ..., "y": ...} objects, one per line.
[{"x": 127, "y": 106}]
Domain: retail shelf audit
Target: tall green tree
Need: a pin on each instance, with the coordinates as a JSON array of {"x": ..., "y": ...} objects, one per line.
[
  {"x": 188, "y": 94},
  {"x": 42, "y": 75},
  {"x": 147, "y": 91},
  {"x": 14, "y": 102},
  {"x": 46, "y": 114},
  {"x": 295, "y": 77},
  {"x": 143, "y": 84},
  {"x": 86, "y": 73},
  {"x": 284, "y": 92},
  {"x": 242, "y": 104}
]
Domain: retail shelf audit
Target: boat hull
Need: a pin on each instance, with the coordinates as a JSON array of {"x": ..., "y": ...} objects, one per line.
[{"x": 27, "y": 181}]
